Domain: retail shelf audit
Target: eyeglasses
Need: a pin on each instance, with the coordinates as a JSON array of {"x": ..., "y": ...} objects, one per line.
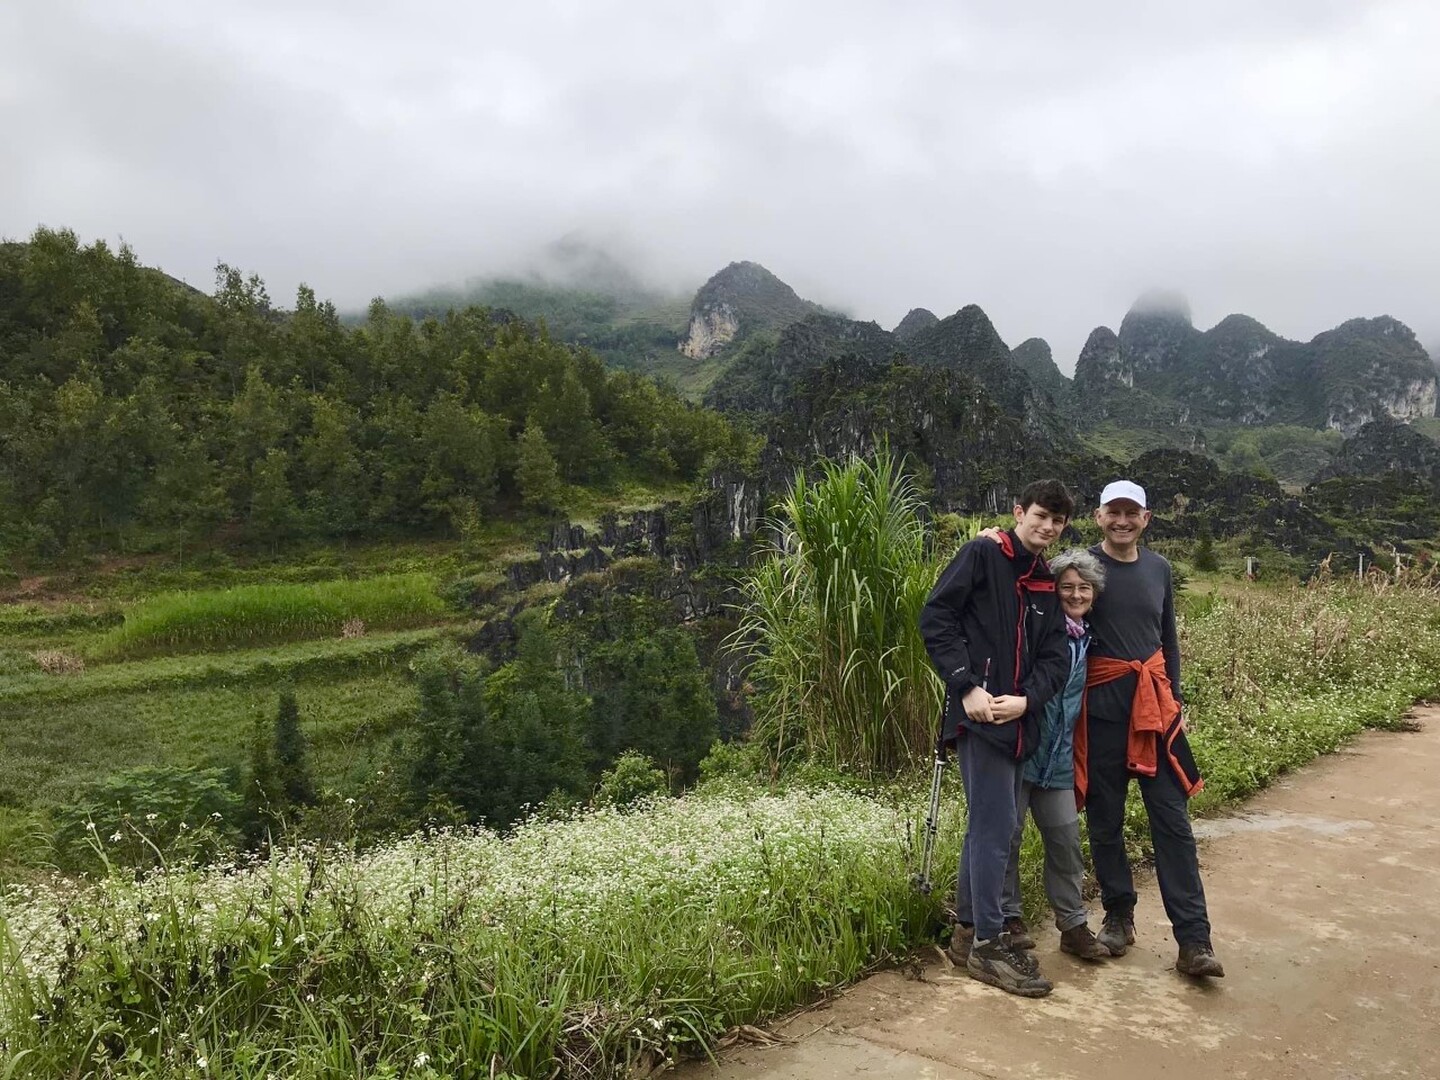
[{"x": 1084, "y": 587}]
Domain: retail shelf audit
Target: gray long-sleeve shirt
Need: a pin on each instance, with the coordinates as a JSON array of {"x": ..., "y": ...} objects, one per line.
[{"x": 1133, "y": 616}]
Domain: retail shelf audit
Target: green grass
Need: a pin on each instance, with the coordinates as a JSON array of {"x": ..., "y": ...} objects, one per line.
[
  {"x": 48, "y": 754},
  {"x": 32, "y": 689},
  {"x": 255, "y": 614}
]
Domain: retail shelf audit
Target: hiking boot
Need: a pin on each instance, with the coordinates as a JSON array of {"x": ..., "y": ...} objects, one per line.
[
  {"x": 1027, "y": 959},
  {"x": 1079, "y": 941},
  {"x": 1001, "y": 964},
  {"x": 1118, "y": 933},
  {"x": 961, "y": 939},
  {"x": 1199, "y": 960},
  {"x": 1019, "y": 934}
]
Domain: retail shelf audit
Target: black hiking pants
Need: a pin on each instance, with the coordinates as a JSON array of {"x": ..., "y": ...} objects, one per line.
[{"x": 1177, "y": 866}]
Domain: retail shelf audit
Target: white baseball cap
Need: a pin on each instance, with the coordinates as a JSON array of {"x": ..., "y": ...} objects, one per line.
[{"x": 1123, "y": 489}]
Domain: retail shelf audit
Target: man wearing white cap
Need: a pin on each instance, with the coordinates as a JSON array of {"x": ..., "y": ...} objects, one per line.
[{"x": 1131, "y": 727}]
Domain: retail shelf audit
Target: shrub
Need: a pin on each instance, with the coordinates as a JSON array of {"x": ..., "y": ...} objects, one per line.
[
  {"x": 147, "y": 816},
  {"x": 632, "y": 778}
]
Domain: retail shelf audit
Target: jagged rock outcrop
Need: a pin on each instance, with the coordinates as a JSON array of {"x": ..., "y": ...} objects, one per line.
[
  {"x": 1154, "y": 337},
  {"x": 1372, "y": 368},
  {"x": 762, "y": 376},
  {"x": 1385, "y": 445},
  {"x": 915, "y": 320},
  {"x": 1188, "y": 492},
  {"x": 972, "y": 453},
  {"x": 1100, "y": 366},
  {"x": 738, "y": 301},
  {"x": 1239, "y": 372},
  {"x": 1033, "y": 356},
  {"x": 968, "y": 343}
]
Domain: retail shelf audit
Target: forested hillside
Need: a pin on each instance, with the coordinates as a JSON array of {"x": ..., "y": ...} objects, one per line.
[{"x": 137, "y": 412}]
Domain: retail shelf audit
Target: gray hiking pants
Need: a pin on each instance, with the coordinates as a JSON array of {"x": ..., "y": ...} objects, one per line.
[{"x": 1059, "y": 823}]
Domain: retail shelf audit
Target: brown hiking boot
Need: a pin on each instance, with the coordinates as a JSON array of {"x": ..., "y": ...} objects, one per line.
[
  {"x": 1079, "y": 941},
  {"x": 999, "y": 963},
  {"x": 961, "y": 939},
  {"x": 1118, "y": 933},
  {"x": 1199, "y": 960},
  {"x": 1019, "y": 933}
]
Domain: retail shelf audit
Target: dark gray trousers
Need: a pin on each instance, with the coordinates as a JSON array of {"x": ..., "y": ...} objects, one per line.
[
  {"x": 992, "y": 794},
  {"x": 1177, "y": 865}
]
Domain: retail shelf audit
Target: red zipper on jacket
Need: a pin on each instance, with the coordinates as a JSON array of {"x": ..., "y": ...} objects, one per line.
[{"x": 1024, "y": 585}]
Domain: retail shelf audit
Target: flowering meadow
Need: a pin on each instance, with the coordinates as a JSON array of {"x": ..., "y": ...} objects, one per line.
[
  {"x": 609, "y": 942},
  {"x": 606, "y": 942}
]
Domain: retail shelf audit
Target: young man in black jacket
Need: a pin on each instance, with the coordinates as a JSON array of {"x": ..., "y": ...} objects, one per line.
[{"x": 996, "y": 633}]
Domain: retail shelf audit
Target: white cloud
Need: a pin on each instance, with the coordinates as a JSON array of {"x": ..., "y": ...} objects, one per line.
[{"x": 1045, "y": 160}]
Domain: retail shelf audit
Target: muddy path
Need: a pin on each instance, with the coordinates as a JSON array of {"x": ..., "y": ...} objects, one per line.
[{"x": 1325, "y": 899}]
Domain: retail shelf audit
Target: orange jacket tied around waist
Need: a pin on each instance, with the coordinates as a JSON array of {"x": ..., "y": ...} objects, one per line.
[{"x": 1154, "y": 724}]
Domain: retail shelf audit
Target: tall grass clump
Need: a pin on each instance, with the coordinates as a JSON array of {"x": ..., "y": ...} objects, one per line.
[
  {"x": 259, "y": 614},
  {"x": 831, "y": 621}
]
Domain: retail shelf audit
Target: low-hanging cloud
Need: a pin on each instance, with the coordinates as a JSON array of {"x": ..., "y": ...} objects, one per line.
[{"x": 1048, "y": 161}]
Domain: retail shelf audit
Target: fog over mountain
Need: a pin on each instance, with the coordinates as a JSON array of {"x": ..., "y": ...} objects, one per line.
[{"x": 1047, "y": 161}]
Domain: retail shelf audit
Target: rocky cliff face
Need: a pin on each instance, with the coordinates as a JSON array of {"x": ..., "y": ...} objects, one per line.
[
  {"x": 1385, "y": 445},
  {"x": 1033, "y": 356},
  {"x": 1239, "y": 372},
  {"x": 766, "y": 376},
  {"x": 1154, "y": 336},
  {"x": 1371, "y": 368},
  {"x": 736, "y": 302},
  {"x": 916, "y": 319},
  {"x": 973, "y": 453},
  {"x": 968, "y": 343}
]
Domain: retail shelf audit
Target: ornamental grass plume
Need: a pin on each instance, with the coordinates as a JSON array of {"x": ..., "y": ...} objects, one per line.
[{"x": 830, "y": 620}]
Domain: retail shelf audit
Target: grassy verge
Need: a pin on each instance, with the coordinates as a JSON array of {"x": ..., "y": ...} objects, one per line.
[{"x": 609, "y": 941}]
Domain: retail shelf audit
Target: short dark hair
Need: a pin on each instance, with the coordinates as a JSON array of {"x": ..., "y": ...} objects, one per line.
[{"x": 1051, "y": 494}]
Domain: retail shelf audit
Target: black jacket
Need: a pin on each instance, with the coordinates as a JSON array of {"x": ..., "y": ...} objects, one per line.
[{"x": 994, "y": 620}]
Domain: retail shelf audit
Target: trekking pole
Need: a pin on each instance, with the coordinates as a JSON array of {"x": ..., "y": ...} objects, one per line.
[
  {"x": 921, "y": 882},
  {"x": 932, "y": 820}
]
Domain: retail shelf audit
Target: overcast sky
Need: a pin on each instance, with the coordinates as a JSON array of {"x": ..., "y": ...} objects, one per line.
[{"x": 1047, "y": 160}]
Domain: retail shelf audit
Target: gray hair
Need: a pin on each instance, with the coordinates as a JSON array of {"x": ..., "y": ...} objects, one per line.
[{"x": 1083, "y": 563}]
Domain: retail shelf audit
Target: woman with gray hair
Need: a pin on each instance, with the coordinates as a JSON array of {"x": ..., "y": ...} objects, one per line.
[{"x": 1048, "y": 786}]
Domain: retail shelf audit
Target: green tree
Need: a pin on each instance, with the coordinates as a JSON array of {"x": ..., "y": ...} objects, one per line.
[
  {"x": 263, "y": 797},
  {"x": 650, "y": 695},
  {"x": 330, "y": 471},
  {"x": 186, "y": 496},
  {"x": 1205, "y": 558},
  {"x": 292, "y": 754},
  {"x": 536, "y": 473},
  {"x": 274, "y": 515}
]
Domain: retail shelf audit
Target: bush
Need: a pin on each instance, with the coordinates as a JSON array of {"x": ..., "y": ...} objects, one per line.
[
  {"x": 147, "y": 816},
  {"x": 632, "y": 778}
]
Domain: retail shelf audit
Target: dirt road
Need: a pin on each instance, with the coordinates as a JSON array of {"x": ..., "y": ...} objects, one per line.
[{"x": 1325, "y": 898}]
